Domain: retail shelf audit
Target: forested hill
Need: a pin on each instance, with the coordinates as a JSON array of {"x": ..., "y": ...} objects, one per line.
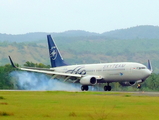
[
  {"x": 30, "y": 37},
  {"x": 138, "y": 32},
  {"x": 136, "y": 44}
]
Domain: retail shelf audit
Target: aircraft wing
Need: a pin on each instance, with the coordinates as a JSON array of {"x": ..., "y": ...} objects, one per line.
[
  {"x": 50, "y": 72},
  {"x": 65, "y": 76}
]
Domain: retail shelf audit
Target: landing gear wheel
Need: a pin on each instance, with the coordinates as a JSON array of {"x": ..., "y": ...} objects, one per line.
[
  {"x": 138, "y": 86},
  {"x": 84, "y": 87},
  {"x": 107, "y": 88}
]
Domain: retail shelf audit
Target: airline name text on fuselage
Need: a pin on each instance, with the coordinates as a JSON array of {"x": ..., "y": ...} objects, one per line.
[{"x": 114, "y": 66}]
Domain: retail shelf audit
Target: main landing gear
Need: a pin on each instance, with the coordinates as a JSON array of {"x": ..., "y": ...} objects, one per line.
[
  {"x": 84, "y": 87},
  {"x": 107, "y": 87}
]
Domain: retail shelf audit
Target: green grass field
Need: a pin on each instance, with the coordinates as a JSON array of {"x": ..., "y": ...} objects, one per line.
[{"x": 60, "y": 105}]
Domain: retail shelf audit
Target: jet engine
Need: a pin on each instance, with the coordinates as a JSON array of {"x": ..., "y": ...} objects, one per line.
[
  {"x": 88, "y": 80},
  {"x": 127, "y": 83}
]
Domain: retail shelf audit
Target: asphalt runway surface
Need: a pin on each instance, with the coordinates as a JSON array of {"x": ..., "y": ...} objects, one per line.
[{"x": 140, "y": 93}]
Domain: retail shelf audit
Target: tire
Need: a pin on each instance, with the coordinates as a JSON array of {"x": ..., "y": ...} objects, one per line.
[
  {"x": 109, "y": 88},
  {"x": 105, "y": 88},
  {"x": 138, "y": 86},
  {"x": 82, "y": 88},
  {"x": 86, "y": 88}
]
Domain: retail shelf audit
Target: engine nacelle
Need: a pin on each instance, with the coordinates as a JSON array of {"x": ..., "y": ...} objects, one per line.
[
  {"x": 88, "y": 80},
  {"x": 127, "y": 83}
]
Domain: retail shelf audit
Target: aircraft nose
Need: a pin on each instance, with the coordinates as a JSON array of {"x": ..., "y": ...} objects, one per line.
[{"x": 147, "y": 73}]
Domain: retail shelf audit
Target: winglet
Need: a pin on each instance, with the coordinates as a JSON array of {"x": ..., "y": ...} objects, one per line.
[
  {"x": 12, "y": 62},
  {"x": 149, "y": 66}
]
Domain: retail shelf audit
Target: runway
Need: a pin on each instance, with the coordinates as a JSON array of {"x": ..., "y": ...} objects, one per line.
[
  {"x": 142, "y": 93},
  {"x": 139, "y": 93}
]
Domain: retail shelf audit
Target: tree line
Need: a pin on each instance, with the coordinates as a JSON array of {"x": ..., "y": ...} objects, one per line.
[{"x": 7, "y": 82}]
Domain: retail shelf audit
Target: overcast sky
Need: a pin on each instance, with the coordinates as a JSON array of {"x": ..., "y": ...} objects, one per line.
[{"x": 24, "y": 16}]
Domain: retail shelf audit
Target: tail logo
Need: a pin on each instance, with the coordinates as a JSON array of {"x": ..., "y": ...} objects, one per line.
[{"x": 53, "y": 53}]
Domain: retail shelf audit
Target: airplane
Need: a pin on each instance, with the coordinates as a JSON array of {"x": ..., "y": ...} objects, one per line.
[{"x": 126, "y": 73}]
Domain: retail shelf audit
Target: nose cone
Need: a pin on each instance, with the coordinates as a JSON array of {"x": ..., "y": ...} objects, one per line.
[{"x": 147, "y": 73}]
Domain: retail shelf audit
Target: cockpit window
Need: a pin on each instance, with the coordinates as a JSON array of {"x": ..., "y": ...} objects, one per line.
[{"x": 141, "y": 67}]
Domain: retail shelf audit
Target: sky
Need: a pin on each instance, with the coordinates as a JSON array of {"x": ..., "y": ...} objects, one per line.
[{"x": 25, "y": 16}]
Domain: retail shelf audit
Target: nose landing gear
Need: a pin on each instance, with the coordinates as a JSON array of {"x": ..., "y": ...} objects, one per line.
[{"x": 138, "y": 86}]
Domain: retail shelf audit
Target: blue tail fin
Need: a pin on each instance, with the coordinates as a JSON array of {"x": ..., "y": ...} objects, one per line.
[{"x": 55, "y": 56}]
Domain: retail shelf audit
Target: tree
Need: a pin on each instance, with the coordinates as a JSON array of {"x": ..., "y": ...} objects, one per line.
[
  {"x": 40, "y": 65},
  {"x": 5, "y": 78}
]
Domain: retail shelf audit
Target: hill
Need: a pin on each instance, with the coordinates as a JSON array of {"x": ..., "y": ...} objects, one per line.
[
  {"x": 29, "y": 37},
  {"x": 138, "y": 32},
  {"x": 79, "y": 47}
]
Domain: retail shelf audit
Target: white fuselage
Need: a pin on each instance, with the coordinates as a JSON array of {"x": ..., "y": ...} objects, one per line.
[{"x": 109, "y": 72}]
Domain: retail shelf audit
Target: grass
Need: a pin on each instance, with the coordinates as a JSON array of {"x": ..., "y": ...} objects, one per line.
[
  {"x": 127, "y": 95},
  {"x": 72, "y": 114},
  {"x": 5, "y": 113},
  {"x": 60, "y": 105},
  {"x": 1, "y": 97}
]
